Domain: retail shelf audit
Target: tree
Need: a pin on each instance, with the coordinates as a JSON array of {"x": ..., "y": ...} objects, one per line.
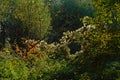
[
  {"x": 5, "y": 14},
  {"x": 66, "y": 15},
  {"x": 107, "y": 13},
  {"x": 35, "y": 16},
  {"x": 25, "y": 18}
]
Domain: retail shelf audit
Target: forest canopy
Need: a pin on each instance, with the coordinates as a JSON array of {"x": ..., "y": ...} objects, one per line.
[{"x": 59, "y": 40}]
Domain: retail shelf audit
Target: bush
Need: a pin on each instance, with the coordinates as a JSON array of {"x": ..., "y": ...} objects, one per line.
[
  {"x": 45, "y": 70},
  {"x": 112, "y": 70},
  {"x": 11, "y": 68}
]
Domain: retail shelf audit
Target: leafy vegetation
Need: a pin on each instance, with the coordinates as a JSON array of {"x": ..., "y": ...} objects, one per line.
[
  {"x": 25, "y": 18},
  {"x": 66, "y": 15},
  {"x": 59, "y": 40}
]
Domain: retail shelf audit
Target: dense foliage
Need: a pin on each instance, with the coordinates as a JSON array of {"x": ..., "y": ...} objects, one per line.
[
  {"x": 89, "y": 48},
  {"x": 66, "y": 15},
  {"x": 27, "y": 18}
]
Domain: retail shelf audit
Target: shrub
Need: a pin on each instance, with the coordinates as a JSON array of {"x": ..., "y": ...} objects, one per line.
[
  {"x": 112, "y": 70},
  {"x": 11, "y": 68}
]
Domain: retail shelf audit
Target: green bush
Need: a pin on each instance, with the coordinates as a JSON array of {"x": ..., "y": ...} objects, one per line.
[
  {"x": 112, "y": 71},
  {"x": 11, "y": 68},
  {"x": 45, "y": 69}
]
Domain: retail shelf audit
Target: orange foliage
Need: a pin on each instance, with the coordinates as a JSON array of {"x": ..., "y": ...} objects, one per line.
[{"x": 30, "y": 48}]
